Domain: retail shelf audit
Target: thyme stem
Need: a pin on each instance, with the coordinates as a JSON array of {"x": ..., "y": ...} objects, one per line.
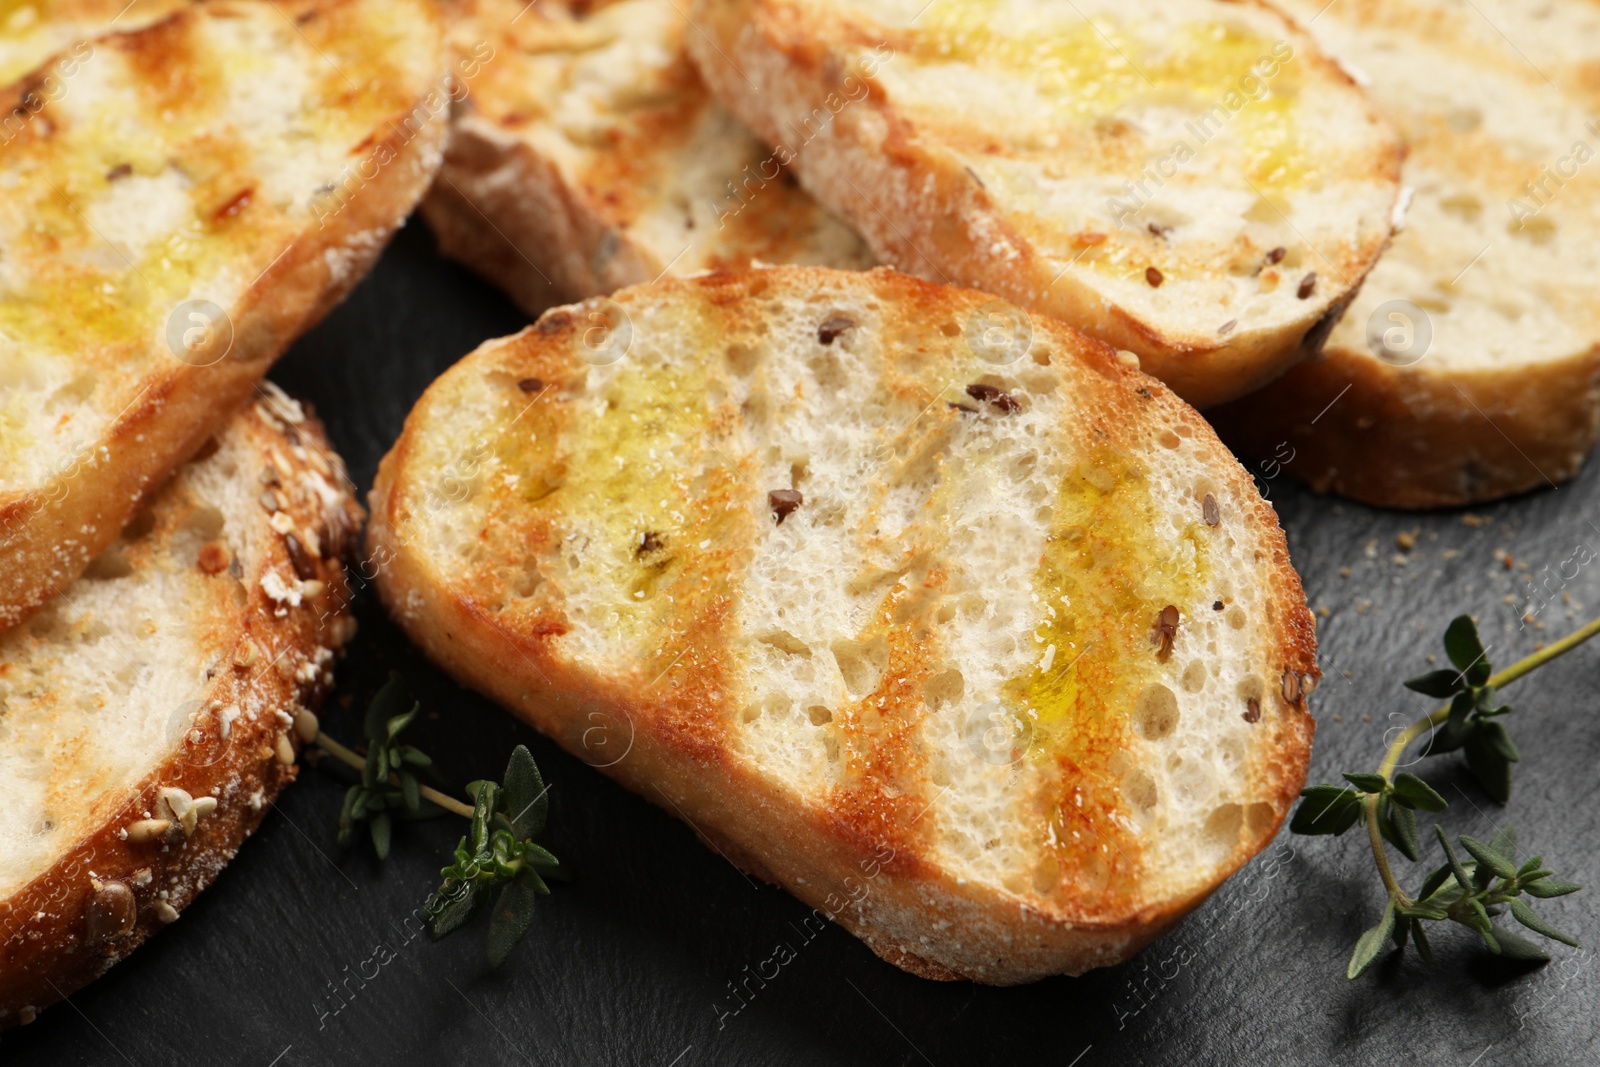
[
  {"x": 1391, "y": 758},
  {"x": 345, "y": 755}
]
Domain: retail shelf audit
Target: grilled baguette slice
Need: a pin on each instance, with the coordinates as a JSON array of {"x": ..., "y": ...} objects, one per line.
[
  {"x": 903, "y": 600},
  {"x": 1192, "y": 181},
  {"x": 1469, "y": 368},
  {"x": 147, "y": 713},
  {"x": 590, "y": 156},
  {"x": 198, "y": 193}
]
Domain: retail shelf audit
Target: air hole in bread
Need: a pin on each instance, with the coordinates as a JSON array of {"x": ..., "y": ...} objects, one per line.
[
  {"x": 525, "y": 582},
  {"x": 1168, "y": 439},
  {"x": 1023, "y": 466},
  {"x": 1463, "y": 206},
  {"x": 207, "y": 450},
  {"x": 140, "y": 526},
  {"x": 819, "y": 715},
  {"x": 862, "y": 664},
  {"x": 786, "y": 642},
  {"x": 1236, "y": 617},
  {"x": 1539, "y": 230},
  {"x": 1258, "y": 817},
  {"x": 1155, "y": 714},
  {"x": 109, "y": 566},
  {"x": 944, "y": 689},
  {"x": 48, "y": 625},
  {"x": 755, "y": 410},
  {"x": 1222, "y": 828},
  {"x": 1263, "y": 212},
  {"x": 207, "y": 522},
  {"x": 1139, "y": 790},
  {"x": 827, "y": 369},
  {"x": 1251, "y": 688},
  {"x": 743, "y": 359},
  {"x": 949, "y": 329},
  {"x": 1194, "y": 677}
]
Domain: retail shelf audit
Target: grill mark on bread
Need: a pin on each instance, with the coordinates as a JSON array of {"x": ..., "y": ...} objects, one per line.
[
  {"x": 170, "y": 72},
  {"x": 621, "y": 196},
  {"x": 885, "y": 796},
  {"x": 1069, "y": 785},
  {"x": 170, "y": 183},
  {"x": 907, "y": 150}
]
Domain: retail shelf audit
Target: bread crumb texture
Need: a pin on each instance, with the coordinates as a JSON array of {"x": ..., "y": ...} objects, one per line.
[
  {"x": 1195, "y": 182},
  {"x": 142, "y": 711},
  {"x": 954, "y": 580},
  {"x": 178, "y": 164},
  {"x": 1468, "y": 368},
  {"x": 593, "y": 144}
]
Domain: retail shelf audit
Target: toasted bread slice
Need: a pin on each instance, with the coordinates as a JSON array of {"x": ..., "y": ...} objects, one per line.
[
  {"x": 34, "y": 31},
  {"x": 196, "y": 194},
  {"x": 902, "y": 600},
  {"x": 590, "y": 156},
  {"x": 1192, "y": 181},
  {"x": 1469, "y": 367},
  {"x": 147, "y": 713}
]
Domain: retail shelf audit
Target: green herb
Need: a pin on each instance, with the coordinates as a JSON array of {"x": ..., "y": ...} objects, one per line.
[
  {"x": 499, "y": 851},
  {"x": 1470, "y": 892}
]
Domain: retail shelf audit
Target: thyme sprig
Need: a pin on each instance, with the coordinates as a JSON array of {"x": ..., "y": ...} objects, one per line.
[
  {"x": 499, "y": 851},
  {"x": 1470, "y": 892}
]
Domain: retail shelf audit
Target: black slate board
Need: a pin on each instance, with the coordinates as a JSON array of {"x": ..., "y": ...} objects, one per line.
[{"x": 631, "y": 964}]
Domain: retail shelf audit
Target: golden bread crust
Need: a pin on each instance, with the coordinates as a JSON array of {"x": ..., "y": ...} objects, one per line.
[
  {"x": 675, "y": 719},
  {"x": 1421, "y": 437},
  {"x": 107, "y": 891},
  {"x": 822, "y": 76},
  {"x": 589, "y": 156}
]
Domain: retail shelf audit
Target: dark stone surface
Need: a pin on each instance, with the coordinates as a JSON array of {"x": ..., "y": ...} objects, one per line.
[{"x": 630, "y": 964}]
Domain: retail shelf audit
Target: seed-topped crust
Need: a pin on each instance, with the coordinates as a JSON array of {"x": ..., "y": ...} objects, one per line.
[{"x": 121, "y": 861}]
